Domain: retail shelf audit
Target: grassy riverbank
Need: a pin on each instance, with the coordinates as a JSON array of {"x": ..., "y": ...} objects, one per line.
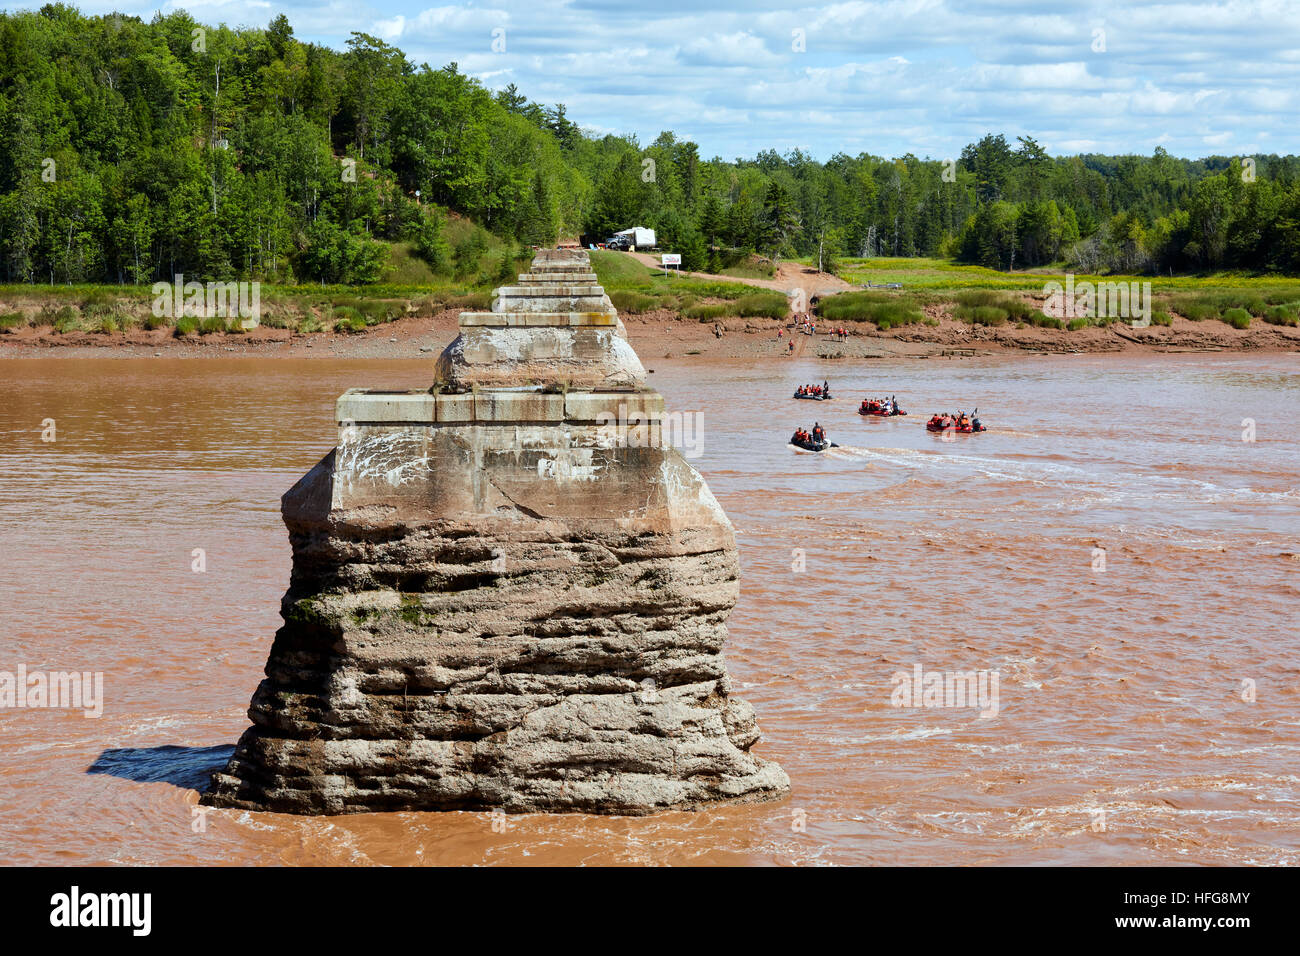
[{"x": 934, "y": 293}]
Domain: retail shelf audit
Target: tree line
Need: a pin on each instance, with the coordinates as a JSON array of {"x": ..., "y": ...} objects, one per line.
[{"x": 133, "y": 151}]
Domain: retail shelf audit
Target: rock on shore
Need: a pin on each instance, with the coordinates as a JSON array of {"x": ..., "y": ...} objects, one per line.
[{"x": 506, "y": 592}]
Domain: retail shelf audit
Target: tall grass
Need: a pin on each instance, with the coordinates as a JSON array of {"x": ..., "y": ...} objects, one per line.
[{"x": 881, "y": 308}]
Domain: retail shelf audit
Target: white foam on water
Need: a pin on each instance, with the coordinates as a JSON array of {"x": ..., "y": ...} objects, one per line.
[{"x": 1113, "y": 487}]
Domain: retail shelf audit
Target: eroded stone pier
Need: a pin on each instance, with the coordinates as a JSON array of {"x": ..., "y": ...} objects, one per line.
[{"x": 506, "y": 593}]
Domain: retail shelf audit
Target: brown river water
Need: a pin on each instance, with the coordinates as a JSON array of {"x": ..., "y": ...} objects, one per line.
[{"x": 1148, "y": 706}]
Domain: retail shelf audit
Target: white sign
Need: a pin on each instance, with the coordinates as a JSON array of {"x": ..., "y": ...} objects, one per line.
[{"x": 671, "y": 259}]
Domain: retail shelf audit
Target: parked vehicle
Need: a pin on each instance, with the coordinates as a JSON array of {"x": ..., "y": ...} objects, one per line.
[{"x": 638, "y": 236}]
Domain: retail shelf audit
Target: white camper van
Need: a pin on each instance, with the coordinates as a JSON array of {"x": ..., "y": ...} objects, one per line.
[{"x": 638, "y": 237}]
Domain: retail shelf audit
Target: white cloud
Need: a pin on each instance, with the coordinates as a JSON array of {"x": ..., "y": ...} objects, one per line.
[{"x": 887, "y": 77}]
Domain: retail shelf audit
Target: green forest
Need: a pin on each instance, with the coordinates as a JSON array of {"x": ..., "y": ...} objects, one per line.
[{"x": 133, "y": 151}]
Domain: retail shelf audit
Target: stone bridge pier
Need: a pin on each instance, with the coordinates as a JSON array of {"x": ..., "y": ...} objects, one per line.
[{"x": 507, "y": 593}]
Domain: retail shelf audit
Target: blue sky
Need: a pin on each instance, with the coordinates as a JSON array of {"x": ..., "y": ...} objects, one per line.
[{"x": 919, "y": 76}]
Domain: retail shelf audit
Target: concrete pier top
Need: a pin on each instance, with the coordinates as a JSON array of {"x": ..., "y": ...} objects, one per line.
[
  {"x": 572, "y": 278},
  {"x": 556, "y": 328},
  {"x": 361, "y": 406},
  {"x": 504, "y": 320}
]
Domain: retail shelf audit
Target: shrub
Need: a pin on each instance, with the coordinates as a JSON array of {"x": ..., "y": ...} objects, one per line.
[
  {"x": 1237, "y": 318},
  {"x": 878, "y": 307},
  {"x": 633, "y": 302},
  {"x": 707, "y": 313},
  {"x": 1283, "y": 314},
  {"x": 97, "y": 304},
  {"x": 12, "y": 320},
  {"x": 1077, "y": 324},
  {"x": 769, "y": 305},
  {"x": 1197, "y": 310},
  {"x": 107, "y": 325},
  {"x": 186, "y": 325},
  {"x": 334, "y": 254},
  {"x": 469, "y": 250},
  {"x": 981, "y": 314},
  {"x": 1047, "y": 322},
  {"x": 1020, "y": 309},
  {"x": 152, "y": 321},
  {"x": 977, "y": 297},
  {"x": 470, "y": 302},
  {"x": 349, "y": 323},
  {"x": 66, "y": 320},
  {"x": 372, "y": 311},
  {"x": 213, "y": 324},
  {"x": 1161, "y": 317}
]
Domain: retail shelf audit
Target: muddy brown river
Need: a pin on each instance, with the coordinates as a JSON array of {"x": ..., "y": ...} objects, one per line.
[{"x": 1113, "y": 558}]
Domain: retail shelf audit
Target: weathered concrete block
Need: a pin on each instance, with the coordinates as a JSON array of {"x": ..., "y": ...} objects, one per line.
[
  {"x": 625, "y": 406},
  {"x": 510, "y": 406},
  {"x": 364, "y": 405},
  {"x": 511, "y": 320},
  {"x": 579, "y": 356},
  {"x": 573, "y": 277},
  {"x": 455, "y": 408}
]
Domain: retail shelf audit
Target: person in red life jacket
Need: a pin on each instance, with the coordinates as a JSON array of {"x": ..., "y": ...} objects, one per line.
[{"x": 818, "y": 433}]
